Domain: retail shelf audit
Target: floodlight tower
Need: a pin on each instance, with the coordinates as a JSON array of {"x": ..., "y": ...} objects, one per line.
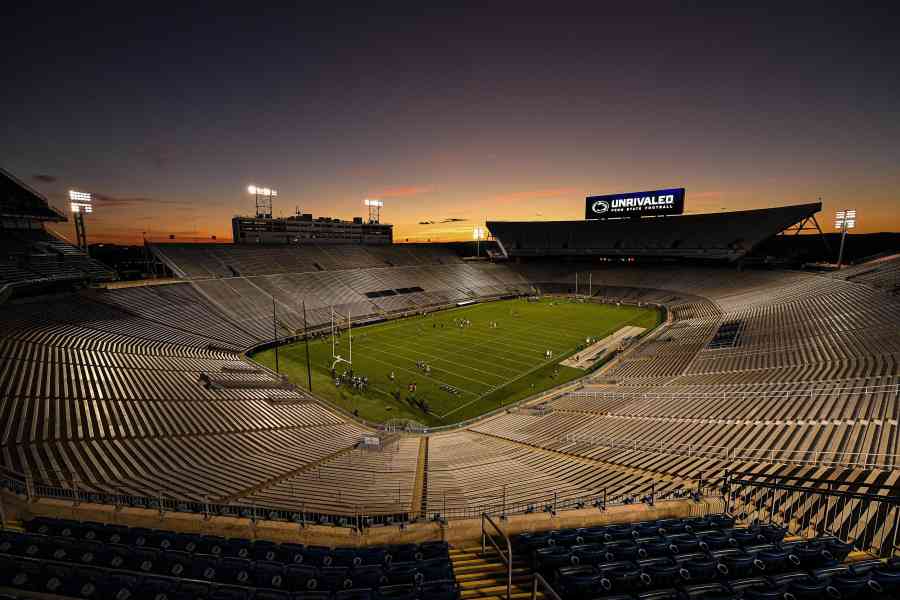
[
  {"x": 478, "y": 234},
  {"x": 843, "y": 220},
  {"x": 263, "y": 197},
  {"x": 80, "y": 203},
  {"x": 374, "y": 209}
]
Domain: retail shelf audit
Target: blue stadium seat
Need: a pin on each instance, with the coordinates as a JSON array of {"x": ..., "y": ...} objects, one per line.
[
  {"x": 114, "y": 556},
  {"x": 887, "y": 582},
  {"x": 589, "y": 554},
  {"x": 238, "y": 548},
  {"x": 839, "y": 549},
  {"x": 803, "y": 586},
  {"x": 145, "y": 560},
  {"x": 204, "y": 567},
  {"x": 714, "y": 540},
  {"x": 865, "y": 567},
  {"x": 115, "y": 534},
  {"x": 372, "y": 556},
  {"x": 176, "y": 563},
  {"x": 117, "y": 586},
  {"x": 87, "y": 552},
  {"x": 850, "y": 587},
  {"x": 438, "y": 549},
  {"x": 707, "y": 591},
  {"x": 317, "y": 556},
  {"x": 164, "y": 540},
  {"x": 401, "y": 552},
  {"x": 343, "y": 557},
  {"x": 547, "y": 560},
  {"x": 138, "y": 536},
  {"x": 300, "y": 577},
  {"x": 401, "y": 573},
  {"x": 662, "y": 594},
  {"x": 396, "y": 592},
  {"x": 620, "y": 577},
  {"x": 192, "y": 590},
  {"x": 699, "y": 570},
  {"x": 813, "y": 555},
  {"x": 435, "y": 569},
  {"x": 770, "y": 562},
  {"x": 721, "y": 521},
  {"x": 271, "y": 595},
  {"x": 213, "y": 545},
  {"x": 226, "y": 592},
  {"x": 368, "y": 576},
  {"x": 291, "y": 553},
  {"x": 696, "y": 524},
  {"x": 311, "y": 595},
  {"x": 92, "y": 531},
  {"x": 660, "y": 572},
  {"x": 733, "y": 563},
  {"x": 268, "y": 574},
  {"x": 57, "y": 579},
  {"x": 577, "y": 583},
  {"x": 156, "y": 588},
  {"x": 264, "y": 550},
  {"x": 335, "y": 578},
  {"x": 234, "y": 571},
  {"x": 23, "y": 575}
]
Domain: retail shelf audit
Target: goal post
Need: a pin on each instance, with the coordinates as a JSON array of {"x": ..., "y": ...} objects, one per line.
[{"x": 336, "y": 326}]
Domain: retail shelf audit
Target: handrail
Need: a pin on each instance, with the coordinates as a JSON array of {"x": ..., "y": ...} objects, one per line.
[
  {"x": 506, "y": 559},
  {"x": 363, "y": 515},
  {"x": 538, "y": 583}
]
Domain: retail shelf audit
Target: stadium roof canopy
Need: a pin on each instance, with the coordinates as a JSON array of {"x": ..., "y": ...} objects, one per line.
[
  {"x": 719, "y": 236},
  {"x": 18, "y": 201}
]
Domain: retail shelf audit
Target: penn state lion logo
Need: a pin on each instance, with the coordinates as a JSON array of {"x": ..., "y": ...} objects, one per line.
[{"x": 600, "y": 207}]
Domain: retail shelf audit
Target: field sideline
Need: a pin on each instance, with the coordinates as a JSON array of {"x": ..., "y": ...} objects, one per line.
[{"x": 486, "y": 366}]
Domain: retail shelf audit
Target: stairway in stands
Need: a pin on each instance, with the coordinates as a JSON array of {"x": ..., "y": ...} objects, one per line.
[{"x": 483, "y": 576}]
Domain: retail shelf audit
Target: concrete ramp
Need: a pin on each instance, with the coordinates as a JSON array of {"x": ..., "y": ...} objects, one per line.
[{"x": 586, "y": 358}]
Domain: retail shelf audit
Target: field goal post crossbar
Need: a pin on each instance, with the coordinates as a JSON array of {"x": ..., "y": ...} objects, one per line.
[{"x": 335, "y": 327}]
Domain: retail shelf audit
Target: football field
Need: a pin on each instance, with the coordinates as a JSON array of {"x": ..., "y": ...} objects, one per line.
[{"x": 452, "y": 365}]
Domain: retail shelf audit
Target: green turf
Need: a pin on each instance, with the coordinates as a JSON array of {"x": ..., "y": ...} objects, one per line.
[{"x": 489, "y": 366}]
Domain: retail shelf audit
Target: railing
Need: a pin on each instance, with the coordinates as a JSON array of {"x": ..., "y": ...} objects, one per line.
[
  {"x": 507, "y": 558},
  {"x": 844, "y": 459},
  {"x": 867, "y": 515},
  {"x": 357, "y": 517},
  {"x": 539, "y": 584}
]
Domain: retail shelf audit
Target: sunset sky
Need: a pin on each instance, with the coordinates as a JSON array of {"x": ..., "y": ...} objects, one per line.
[{"x": 516, "y": 112}]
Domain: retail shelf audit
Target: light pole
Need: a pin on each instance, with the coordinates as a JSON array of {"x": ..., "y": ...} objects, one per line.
[
  {"x": 263, "y": 197},
  {"x": 478, "y": 235},
  {"x": 80, "y": 203},
  {"x": 375, "y": 207},
  {"x": 843, "y": 220}
]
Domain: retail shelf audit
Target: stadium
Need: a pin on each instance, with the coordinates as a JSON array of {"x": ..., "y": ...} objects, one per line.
[{"x": 624, "y": 408}]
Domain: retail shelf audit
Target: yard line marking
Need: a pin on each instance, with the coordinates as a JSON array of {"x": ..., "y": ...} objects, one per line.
[
  {"x": 421, "y": 374},
  {"x": 456, "y": 349},
  {"x": 438, "y": 358}
]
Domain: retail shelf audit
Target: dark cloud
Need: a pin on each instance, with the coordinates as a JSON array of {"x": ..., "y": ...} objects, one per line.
[
  {"x": 447, "y": 220},
  {"x": 43, "y": 178},
  {"x": 131, "y": 201}
]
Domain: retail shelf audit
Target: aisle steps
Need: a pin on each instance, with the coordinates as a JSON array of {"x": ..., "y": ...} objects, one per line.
[{"x": 483, "y": 576}]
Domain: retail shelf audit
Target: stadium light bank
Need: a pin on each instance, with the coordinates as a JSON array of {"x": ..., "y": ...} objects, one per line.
[
  {"x": 80, "y": 203},
  {"x": 843, "y": 220}
]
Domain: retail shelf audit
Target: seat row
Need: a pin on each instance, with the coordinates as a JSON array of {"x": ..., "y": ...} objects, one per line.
[{"x": 91, "y": 583}]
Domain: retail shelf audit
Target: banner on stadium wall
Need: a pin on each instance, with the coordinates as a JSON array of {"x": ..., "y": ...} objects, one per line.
[{"x": 635, "y": 204}]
